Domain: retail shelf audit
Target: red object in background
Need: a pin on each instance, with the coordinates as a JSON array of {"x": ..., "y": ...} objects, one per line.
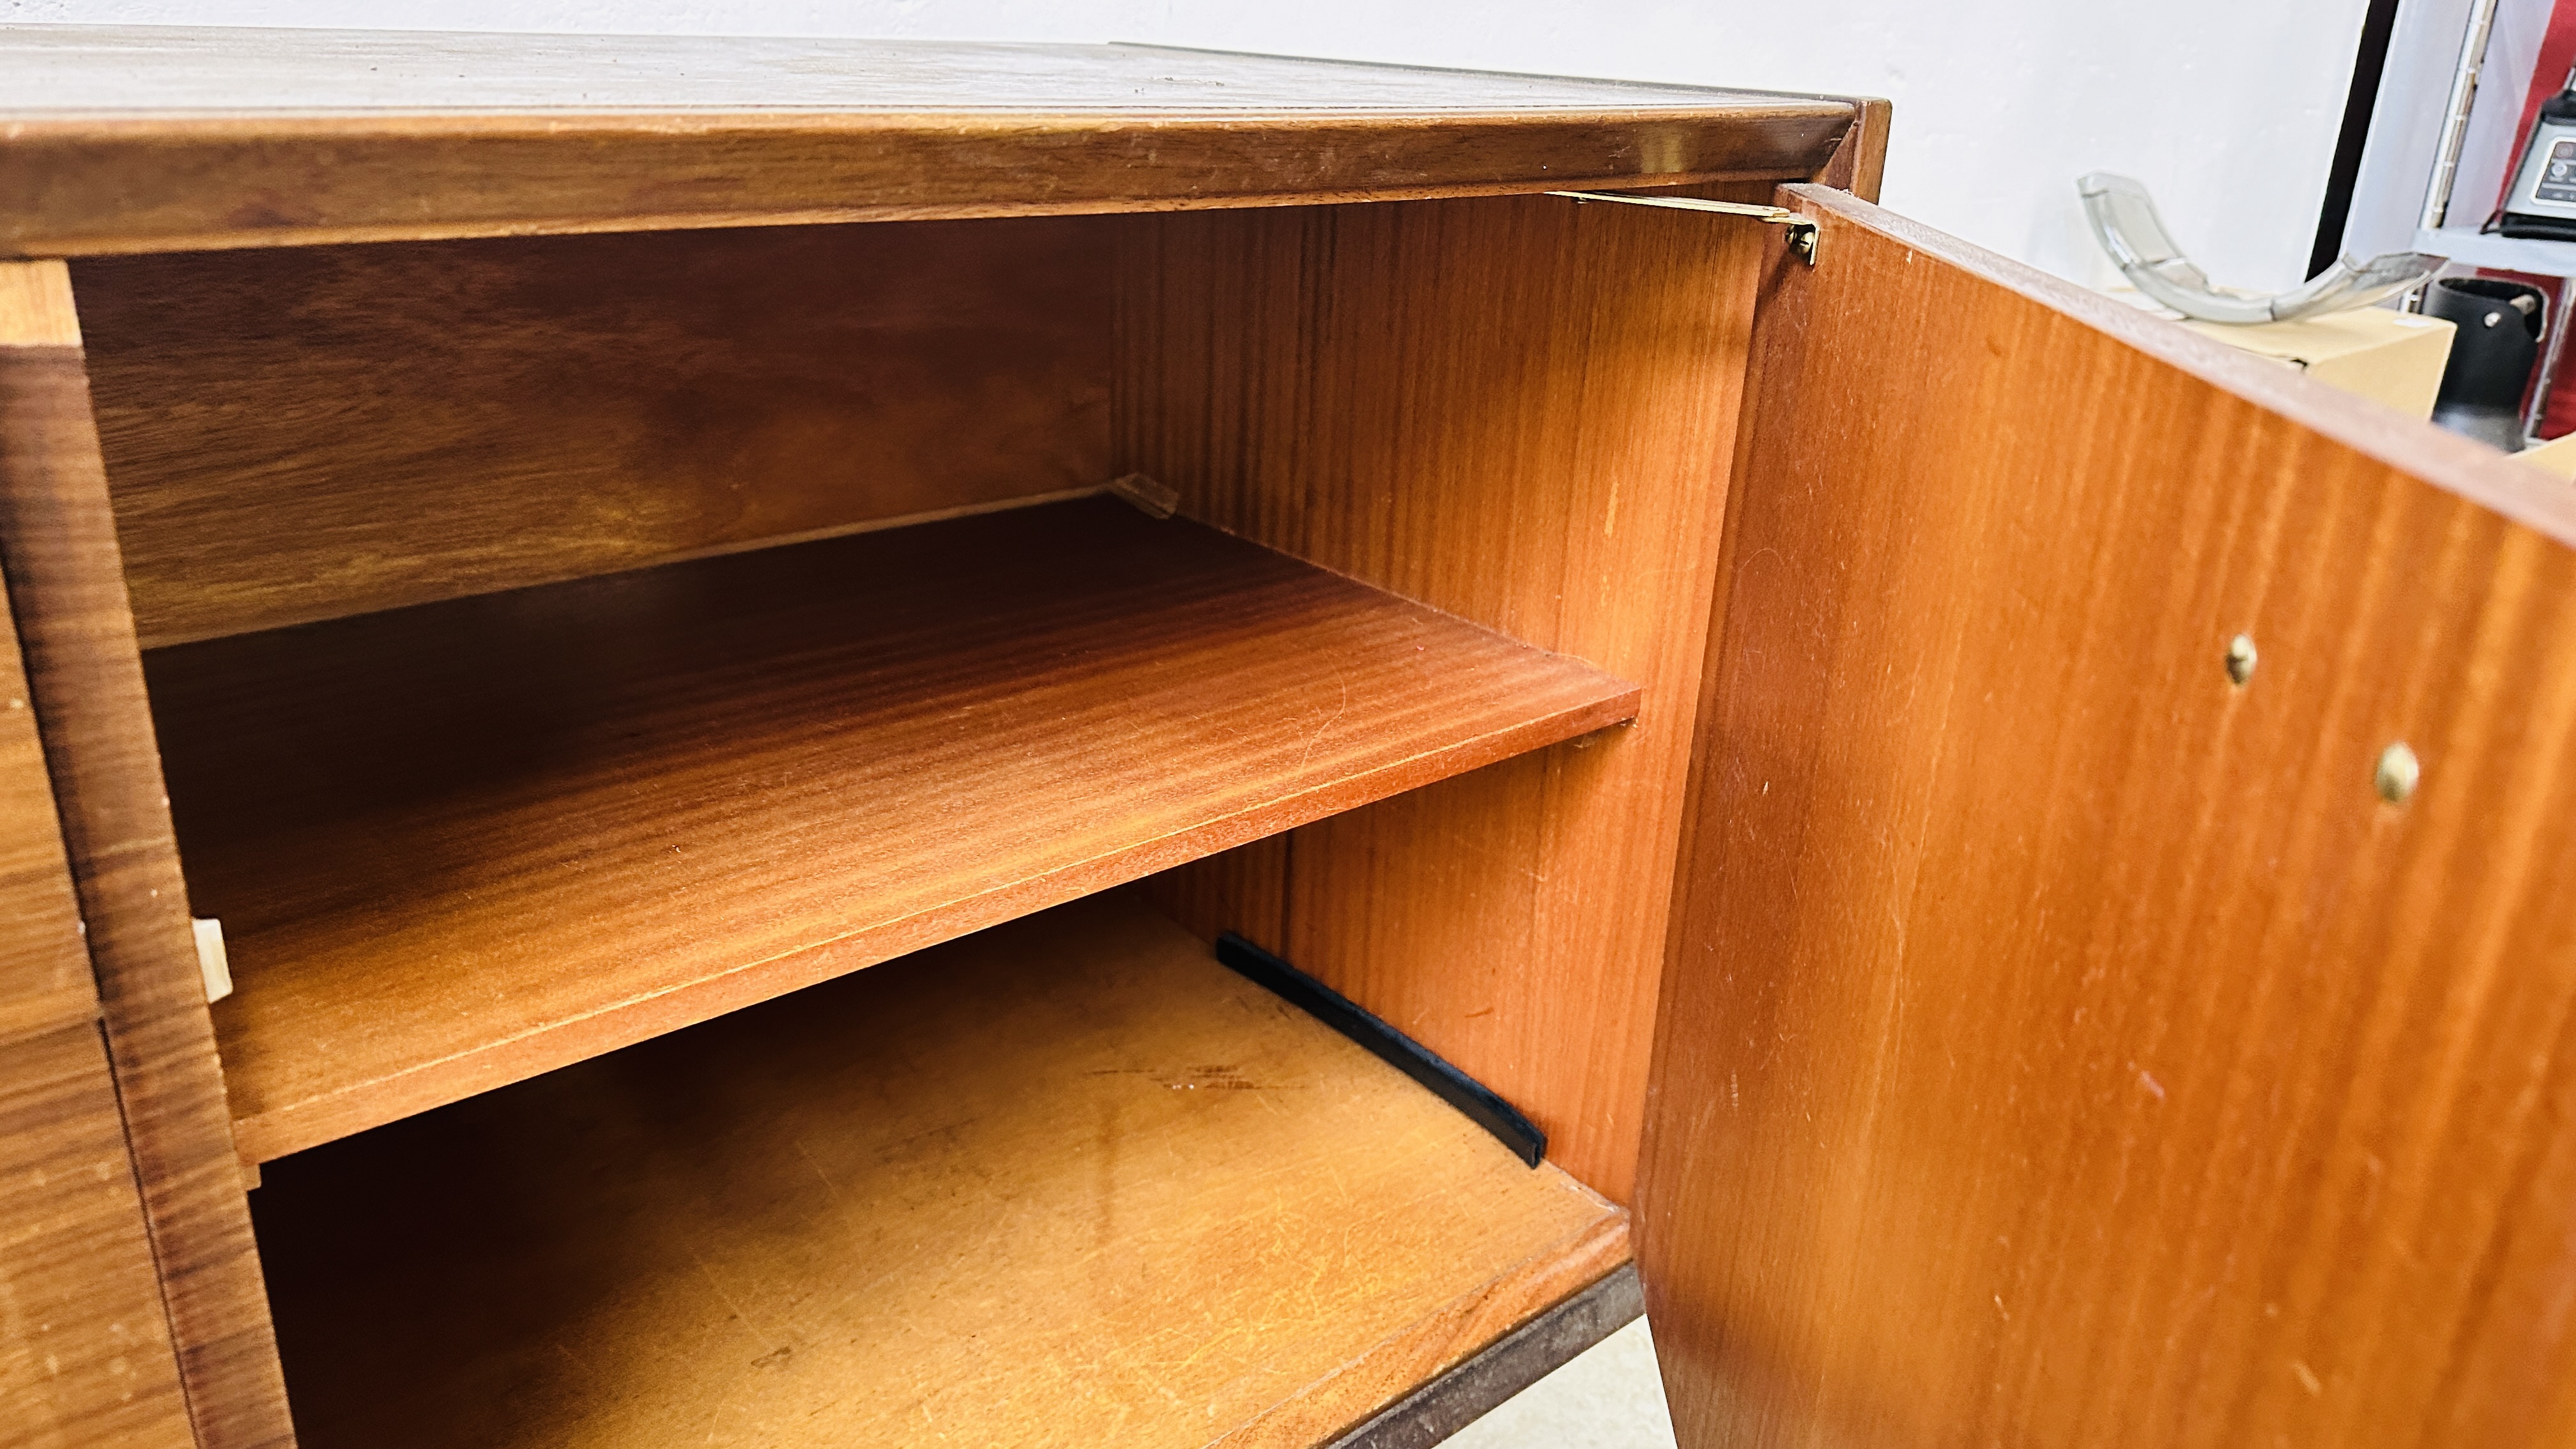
[{"x": 2557, "y": 57}]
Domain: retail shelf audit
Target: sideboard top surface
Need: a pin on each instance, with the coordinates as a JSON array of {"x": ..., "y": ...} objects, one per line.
[
  {"x": 130, "y": 70},
  {"x": 152, "y": 138}
]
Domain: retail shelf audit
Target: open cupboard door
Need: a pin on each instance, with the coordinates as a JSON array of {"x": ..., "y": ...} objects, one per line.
[{"x": 2084, "y": 1028}]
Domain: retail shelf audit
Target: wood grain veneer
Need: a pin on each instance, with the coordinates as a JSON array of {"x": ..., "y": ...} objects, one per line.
[
  {"x": 1243, "y": 890},
  {"x": 45, "y": 981},
  {"x": 1521, "y": 411},
  {"x": 85, "y": 683},
  {"x": 119, "y": 139},
  {"x": 2064, "y": 1045},
  {"x": 314, "y": 432},
  {"x": 1067, "y": 1181},
  {"x": 85, "y": 1357},
  {"x": 36, "y": 306},
  {"x": 1859, "y": 163},
  {"x": 458, "y": 845}
]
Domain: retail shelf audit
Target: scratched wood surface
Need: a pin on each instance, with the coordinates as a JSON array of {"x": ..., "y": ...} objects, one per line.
[
  {"x": 178, "y": 138},
  {"x": 314, "y": 432},
  {"x": 85, "y": 685},
  {"x": 459, "y": 845},
  {"x": 45, "y": 980},
  {"x": 1521, "y": 411},
  {"x": 2066, "y": 1045},
  {"x": 1066, "y": 1182},
  {"x": 85, "y": 1357}
]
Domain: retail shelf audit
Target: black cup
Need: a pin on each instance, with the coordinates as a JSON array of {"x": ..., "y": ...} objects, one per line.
[{"x": 2491, "y": 357}]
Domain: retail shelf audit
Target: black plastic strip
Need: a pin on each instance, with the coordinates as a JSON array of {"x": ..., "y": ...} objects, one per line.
[{"x": 1402, "y": 1052}]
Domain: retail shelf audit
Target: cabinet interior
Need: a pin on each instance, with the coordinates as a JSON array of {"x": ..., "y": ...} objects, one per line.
[
  {"x": 1066, "y": 1180},
  {"x": 574, "y": 657}
]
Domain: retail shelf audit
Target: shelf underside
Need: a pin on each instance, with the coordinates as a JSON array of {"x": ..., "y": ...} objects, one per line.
[
  {"x": 458, "y": 845},
  {"x": 1067, "y": 1181}
]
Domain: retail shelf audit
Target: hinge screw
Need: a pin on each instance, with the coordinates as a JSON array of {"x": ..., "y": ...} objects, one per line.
[
  {"x": 2398, "y": 773},
  {"x": 2240, "y": 660}
]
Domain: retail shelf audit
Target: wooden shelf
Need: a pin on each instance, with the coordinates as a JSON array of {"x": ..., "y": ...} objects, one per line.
[
  {"x": 1065, "y": 1182},
  {"x": 161, "y": 138},
  {"x": 458, "y": 845}
]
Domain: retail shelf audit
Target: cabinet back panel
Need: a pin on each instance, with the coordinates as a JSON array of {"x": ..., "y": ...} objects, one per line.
[
  {"x": 306, "y": 434},
  {"x": 1521, "y": 411}
]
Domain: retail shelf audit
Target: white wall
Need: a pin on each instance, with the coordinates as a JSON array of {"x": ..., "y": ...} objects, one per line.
[
  {"x": 2406, "y": 127},
  {"x": 2227, "y": 108}
]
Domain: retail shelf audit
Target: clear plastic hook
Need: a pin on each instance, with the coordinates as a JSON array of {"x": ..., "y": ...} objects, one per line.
[{"x": 2125, "y": 222}]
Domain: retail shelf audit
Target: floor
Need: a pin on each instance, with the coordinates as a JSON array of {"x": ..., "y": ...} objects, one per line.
[{"x": 1608, "y": 1398}]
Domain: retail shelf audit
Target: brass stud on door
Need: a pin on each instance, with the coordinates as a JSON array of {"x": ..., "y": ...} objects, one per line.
[
  {"x": 2397, "y": 774},
  {"x": 2240, "y": 660}
]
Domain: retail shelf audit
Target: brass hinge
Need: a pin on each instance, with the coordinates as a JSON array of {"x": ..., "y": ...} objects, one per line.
[{"x": 1803, "y": 231}]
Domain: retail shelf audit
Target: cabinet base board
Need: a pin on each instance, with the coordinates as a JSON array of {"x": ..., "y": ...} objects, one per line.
[{"x": 1520, "y": 1358}]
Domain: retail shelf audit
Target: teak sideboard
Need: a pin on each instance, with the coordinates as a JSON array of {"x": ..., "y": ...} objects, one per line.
[{"x": 2034, "y": 853}]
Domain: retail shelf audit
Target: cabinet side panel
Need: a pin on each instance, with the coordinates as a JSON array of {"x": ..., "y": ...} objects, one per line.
[
  {"x": 1521, "y": 411},
  {"x": 2065, "y": 1043},
  {"x": 85, "y": 679},
  {"x": 1859, "y": 164},
  {"x": 85, "y": 1360},
  {"x": 310, "y": 433},
  {"x": 45, "y": 981},
  {"x": 85, "y": 1355}
]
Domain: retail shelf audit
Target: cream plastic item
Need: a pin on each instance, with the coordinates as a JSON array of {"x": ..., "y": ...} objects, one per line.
[{"x": 212, "y": 963}]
